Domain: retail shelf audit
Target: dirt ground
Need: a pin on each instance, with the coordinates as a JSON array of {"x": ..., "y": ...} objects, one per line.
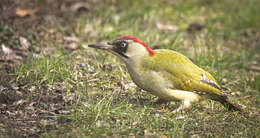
[{"x": 25, "y": 111}]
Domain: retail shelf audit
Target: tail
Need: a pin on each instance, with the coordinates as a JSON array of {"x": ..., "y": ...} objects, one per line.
[
  {"x": 230, "y": 106},
  {"x": 224, "y": 101}
]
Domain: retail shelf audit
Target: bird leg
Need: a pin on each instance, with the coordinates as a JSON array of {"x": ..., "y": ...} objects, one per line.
[{"x": 187, "y": 97}]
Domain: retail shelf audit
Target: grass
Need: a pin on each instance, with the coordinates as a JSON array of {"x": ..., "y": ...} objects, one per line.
[{"x": 97, "y": 92}]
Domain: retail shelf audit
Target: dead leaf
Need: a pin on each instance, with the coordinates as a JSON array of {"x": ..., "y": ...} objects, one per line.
[
  {"x": 134, "y": 124},
  {"x": 32, "y": 88},
  {"x": 84, "y": 46},
  {"x": 20, "y": 102},
  {"x": 7, "y": 51},
  {"x": 2, "y": 88},
  {"x": 237, "y": 93},
  {"x": 8, "y": 54},
  {"x": 48, "y": 122},
  {"x": 181, "y": 117},
  {"x": 148, "y": 134},
  {"x": 157, "y": 115},
  {"x": 24, "y": 12},
  {"x": 99, "y": 123},
  {"x": 71, "y": 46},
  {"x": 70, "y": 98},
  {"x": 64, "y": 111},
  {"x": 166, "y": 27},
  {"x": 92, "y": 93},
  {"x": 71, "y": 38},
  {"x": 80, "y": 6},
  {"x": 10, "y": 113},
  {"x": 24, "y": 43},
  {"x": 14, "y": 86},
  {"x": 224, "y": 80}
]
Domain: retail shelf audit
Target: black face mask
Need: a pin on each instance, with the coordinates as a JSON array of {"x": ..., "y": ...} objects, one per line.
[{"x": 120, "y": 47}]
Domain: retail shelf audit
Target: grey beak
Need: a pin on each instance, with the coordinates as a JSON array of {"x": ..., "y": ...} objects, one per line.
[{"x": 101, "y": 45}]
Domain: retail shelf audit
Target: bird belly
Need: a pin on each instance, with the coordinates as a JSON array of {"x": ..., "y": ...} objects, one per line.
[{"x": 154, "y": 83}]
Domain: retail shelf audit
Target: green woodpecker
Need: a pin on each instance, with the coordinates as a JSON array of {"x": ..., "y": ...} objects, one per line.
[{"x": 164, "y": 73}]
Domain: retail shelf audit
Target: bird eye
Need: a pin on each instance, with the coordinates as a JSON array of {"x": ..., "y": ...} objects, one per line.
[{"x": 123, "y": 44}]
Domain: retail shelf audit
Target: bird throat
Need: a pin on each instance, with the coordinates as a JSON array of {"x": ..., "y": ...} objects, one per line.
[{"x": 123, "y": 55}]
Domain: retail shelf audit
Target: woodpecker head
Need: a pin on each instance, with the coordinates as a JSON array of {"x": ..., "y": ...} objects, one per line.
[{"x": 125, "y": 47}]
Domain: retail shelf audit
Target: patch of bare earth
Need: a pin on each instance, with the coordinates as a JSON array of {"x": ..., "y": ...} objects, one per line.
[{"x": 25, "y": 110}]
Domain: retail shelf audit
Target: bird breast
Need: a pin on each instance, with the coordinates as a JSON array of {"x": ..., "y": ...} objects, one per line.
[{"x": 149, "y": 80}]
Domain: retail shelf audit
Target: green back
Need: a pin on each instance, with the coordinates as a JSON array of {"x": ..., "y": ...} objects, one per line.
[{"x": 183, "y": 74}]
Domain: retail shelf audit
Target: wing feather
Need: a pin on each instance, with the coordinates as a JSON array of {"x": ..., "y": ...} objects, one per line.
[{"x": 183, "y": 74}]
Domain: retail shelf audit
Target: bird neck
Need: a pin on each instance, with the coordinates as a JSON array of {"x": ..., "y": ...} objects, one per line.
[{"x": 134, "y": 62}]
